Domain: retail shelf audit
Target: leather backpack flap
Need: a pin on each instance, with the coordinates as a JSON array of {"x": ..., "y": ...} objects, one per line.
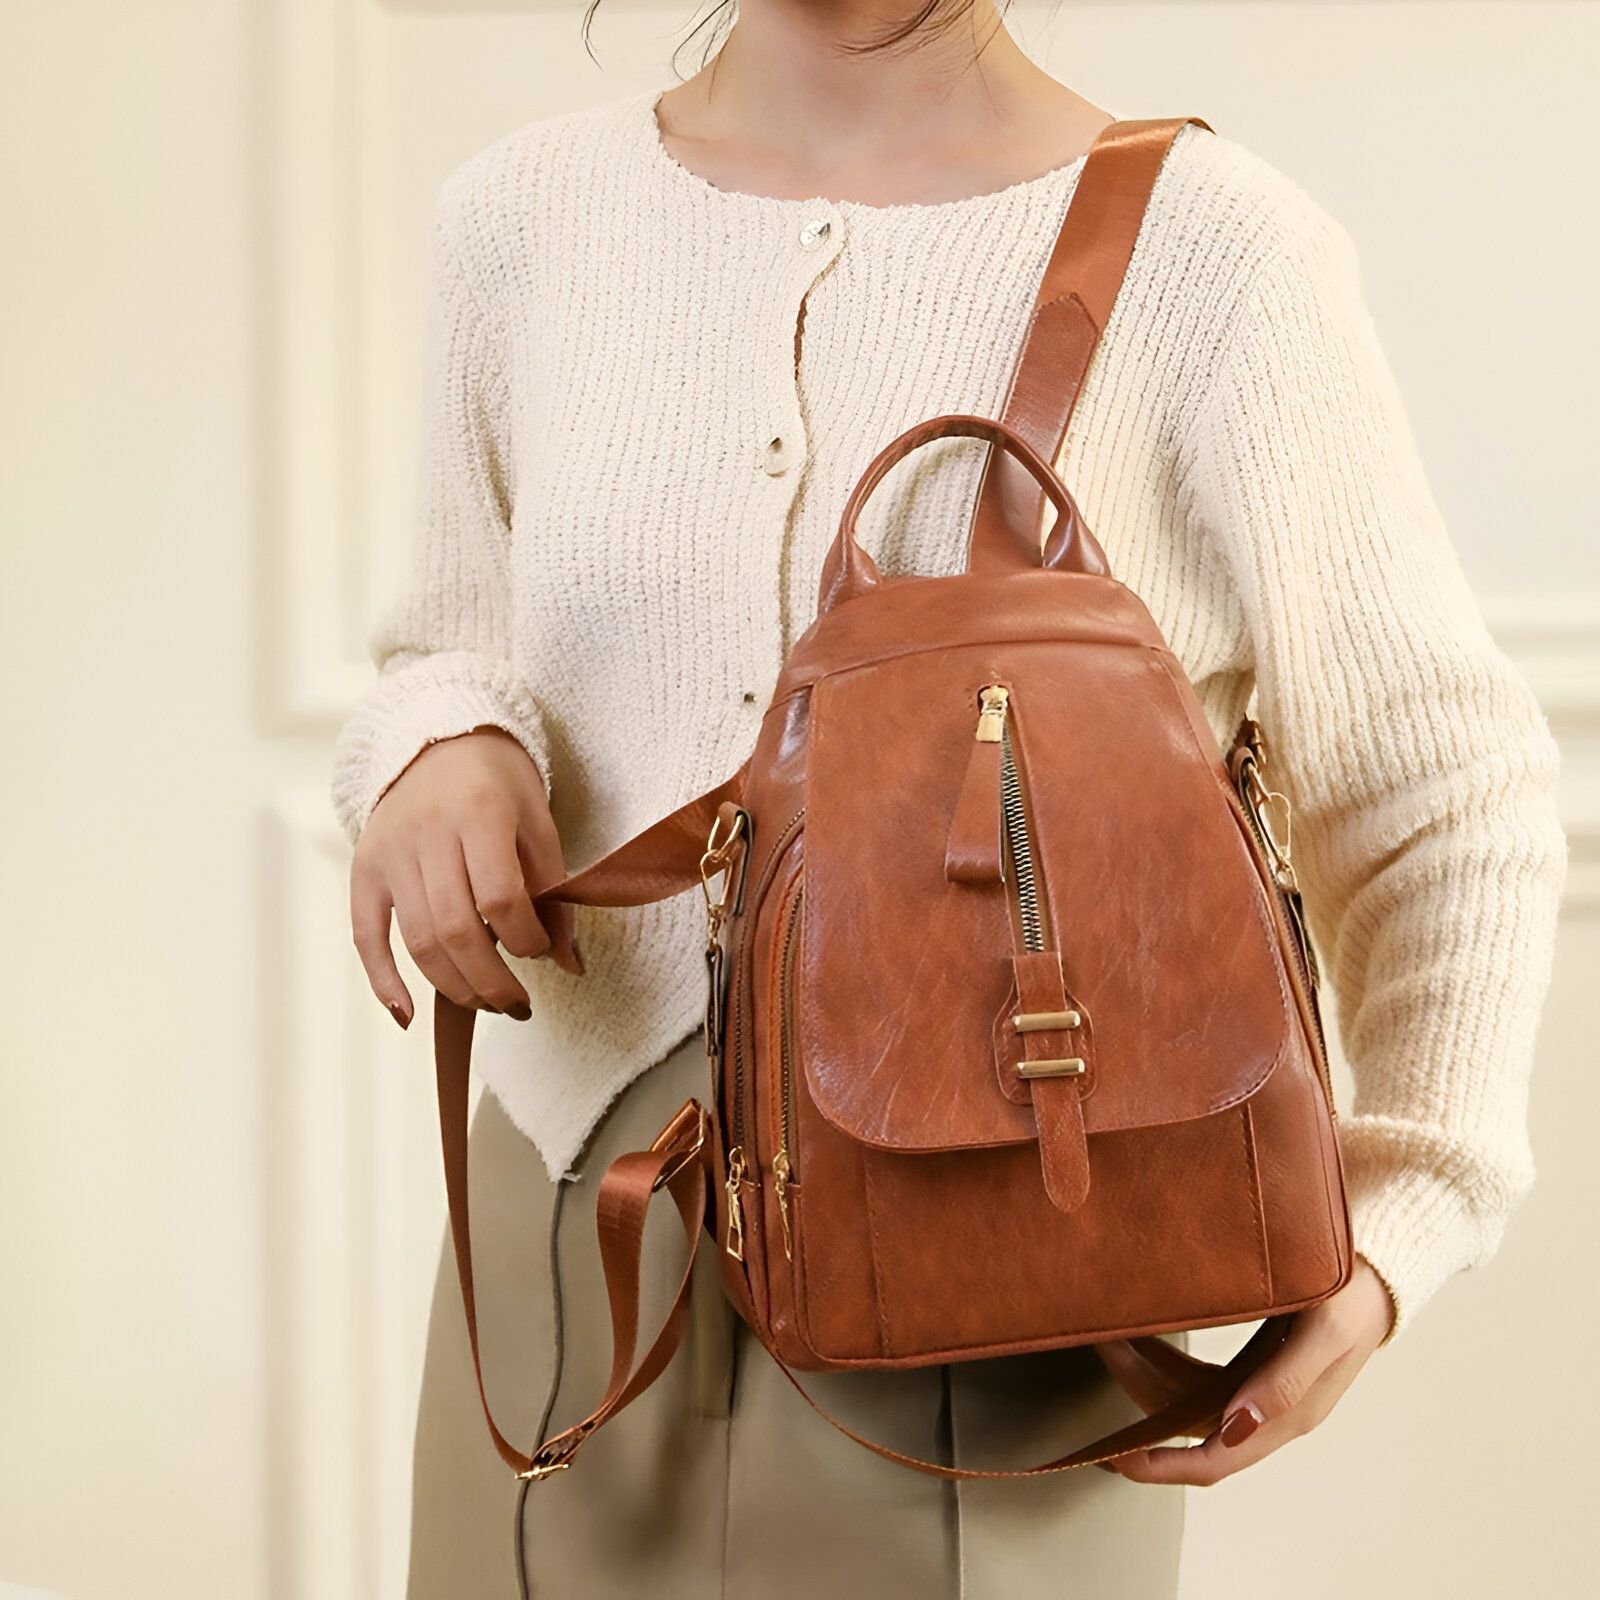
[{"x": 1160, "y": 947}]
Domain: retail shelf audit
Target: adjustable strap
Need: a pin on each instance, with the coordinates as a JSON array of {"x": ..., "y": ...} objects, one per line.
[
  {"x": 624, "y": 1198},
  {"x": 663, "y": 860},
  {"x": 1077, "y": 292},
  {"x": 654, "y": 865},
  {"x": 674, "y": 1163},
  {"x": 1197, "y": 1411}
]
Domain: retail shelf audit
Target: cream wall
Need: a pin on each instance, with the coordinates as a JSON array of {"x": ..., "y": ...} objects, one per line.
[{"x": 217, "y": 1183}]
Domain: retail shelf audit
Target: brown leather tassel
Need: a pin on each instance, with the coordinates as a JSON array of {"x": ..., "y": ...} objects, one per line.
[{"x": 972, "y": 851}]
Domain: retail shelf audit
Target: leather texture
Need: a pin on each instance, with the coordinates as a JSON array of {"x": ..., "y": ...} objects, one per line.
[{"x": 1012, "y": 1017}]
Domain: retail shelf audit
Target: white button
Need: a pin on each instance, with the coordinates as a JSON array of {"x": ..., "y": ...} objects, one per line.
[
  {"x": 775, "y": 455},
  {"x": 815, "y": 231}
]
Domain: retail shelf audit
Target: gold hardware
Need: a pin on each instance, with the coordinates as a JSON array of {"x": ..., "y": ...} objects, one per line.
[
  {"x": 554, "y": 1456},
  {"x": 992, "y": 701},
  {"x": 735, "y": 1244},
  {"x": 1274, "y": 819},
  {"x": 1042, "y": 1021},
  {"x": 721, "y": 856},
  {"x": 718, "y": 858},
  {"x": 1253, "y": 737},
  {"x": 780, "y": 1187},
  {"x": 666, "y": 1177},
  {"x": 1056, "y": 1067}
]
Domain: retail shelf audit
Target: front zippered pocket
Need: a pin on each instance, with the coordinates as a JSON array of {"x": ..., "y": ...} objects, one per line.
[
  {"x": 739, "y": 1167},
  {"x": 1019, "y": 842},
  {"x": 738, "y": 1022},
  {"x": 1019, "y": 866},
  {"x": 783, "y": 1162}
]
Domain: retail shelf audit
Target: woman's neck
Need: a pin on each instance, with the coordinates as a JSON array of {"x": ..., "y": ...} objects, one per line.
[{"x": 788, "y": 108}]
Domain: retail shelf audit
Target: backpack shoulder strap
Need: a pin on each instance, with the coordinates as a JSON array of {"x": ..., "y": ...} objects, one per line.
[{"x": 1077, "y": 292}]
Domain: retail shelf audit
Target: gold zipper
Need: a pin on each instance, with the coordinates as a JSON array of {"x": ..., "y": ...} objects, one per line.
[
  {"x": 992, "y": 702},
  {"x": 783, "y": 1161},
  {"x": 994, "y": 705},
  {"x": 736, "y": 1039},
  {"x": 1273, "y": 852},
  {"x": 735, "y": 1244}
]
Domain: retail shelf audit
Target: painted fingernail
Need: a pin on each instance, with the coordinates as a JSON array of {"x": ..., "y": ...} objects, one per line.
[
  {"x": 522, "y": 1011},
  {"x": 1239, "y": 1424},
  {"x": 399, "y": 1015}
]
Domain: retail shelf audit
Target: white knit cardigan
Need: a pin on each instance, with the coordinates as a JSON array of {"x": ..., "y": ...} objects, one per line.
[{"x": 649, "y": 398}]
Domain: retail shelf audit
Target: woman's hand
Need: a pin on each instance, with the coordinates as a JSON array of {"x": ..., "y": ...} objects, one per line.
[
  {"x": 1286, "y": 1397},
  {"x": 454, "y": 849}
]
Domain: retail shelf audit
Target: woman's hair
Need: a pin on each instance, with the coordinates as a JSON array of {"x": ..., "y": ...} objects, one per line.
[{"x": 930, "y": 17}]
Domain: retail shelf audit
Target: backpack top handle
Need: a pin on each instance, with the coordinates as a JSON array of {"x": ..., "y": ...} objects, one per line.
[{"x": 849, "y": 571}]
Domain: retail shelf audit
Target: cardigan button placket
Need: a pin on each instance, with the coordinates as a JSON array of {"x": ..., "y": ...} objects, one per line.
[
  {"x": 813, "y": 234},
  {"x": 818, "y": 235}
]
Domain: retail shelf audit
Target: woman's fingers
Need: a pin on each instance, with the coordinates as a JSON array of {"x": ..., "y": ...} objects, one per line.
[
  {"x": 458, "y": 931},
  {"x": 560, "y": 925},
  {"x": 1290, "y": 1394},
  {"x": 1292, "y": 1391},
  {"x": 1279, "y": 1386},
  {"x": 1152, "y": 1385},
  {"x": 443, "y": 856},
  {"x": 370, "y": 913},
  {"x": 499, "y": 890},
  {"x": 542, "y": 865},
  {"x": 1208, "y": 1463},
  {"x": 416, "y": 928}
]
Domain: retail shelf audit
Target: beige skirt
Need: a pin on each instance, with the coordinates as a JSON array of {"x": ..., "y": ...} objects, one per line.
[{"x": 720, "y": 1480}]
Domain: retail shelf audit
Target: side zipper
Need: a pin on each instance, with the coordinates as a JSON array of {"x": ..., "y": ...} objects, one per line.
[
  {"x": 736, "y": 1160},
  {"x": 735, "y": 1244},
  {"x": 1293, "y": 910},
  {"x": 783, "y": 1169}
]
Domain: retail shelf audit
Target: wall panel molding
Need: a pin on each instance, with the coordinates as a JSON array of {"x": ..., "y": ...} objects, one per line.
[
  {"x": 316, "y": 595},
  {"x": 353, "y": 1211}
]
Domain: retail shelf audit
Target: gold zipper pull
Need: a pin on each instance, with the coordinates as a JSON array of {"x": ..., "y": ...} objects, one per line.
[
  {"x": 781, "y": 1172},
  {"x": 992, "y": 713},
  {"x": 735, "y": 1244}
]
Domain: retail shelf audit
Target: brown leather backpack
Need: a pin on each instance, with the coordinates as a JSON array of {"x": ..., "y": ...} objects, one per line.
[{"x": 1012, "y": 1012}]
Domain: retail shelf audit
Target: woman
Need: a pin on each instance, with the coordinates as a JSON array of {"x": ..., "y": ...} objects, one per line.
[{"x": 668, "y": 334}]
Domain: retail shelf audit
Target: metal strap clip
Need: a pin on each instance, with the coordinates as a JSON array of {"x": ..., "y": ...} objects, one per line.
[{"x": 667, "y": 1139}]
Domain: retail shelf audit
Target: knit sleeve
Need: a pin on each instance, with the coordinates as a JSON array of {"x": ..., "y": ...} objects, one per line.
[
  {"x": 444, "y": 649},
  {"x": 1419, "y": 766}
]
